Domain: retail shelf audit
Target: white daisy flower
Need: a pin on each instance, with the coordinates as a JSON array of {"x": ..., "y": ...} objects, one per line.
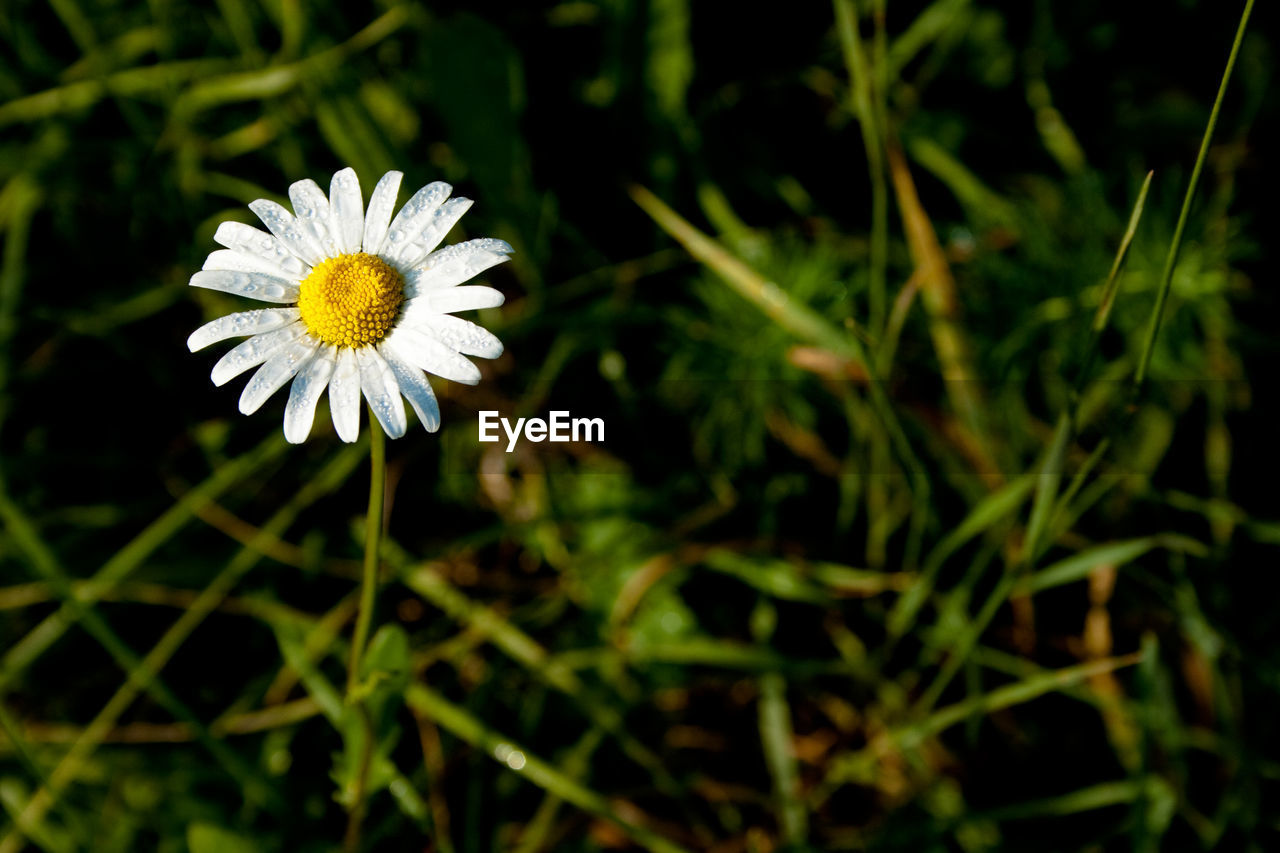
[{"x": 366, "y": 303}]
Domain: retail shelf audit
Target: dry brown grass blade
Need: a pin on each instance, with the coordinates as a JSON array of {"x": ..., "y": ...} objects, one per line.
[
  {"x": 805, "y": 443},
  {"x": 938, "y": 294},
  {"x": 1097, "y": 645}
]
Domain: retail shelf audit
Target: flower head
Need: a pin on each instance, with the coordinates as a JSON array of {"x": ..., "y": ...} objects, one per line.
[{"x": 366, "y": 303}]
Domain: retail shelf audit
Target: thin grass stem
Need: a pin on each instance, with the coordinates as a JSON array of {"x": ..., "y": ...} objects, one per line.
[
  {"x": 1171, "y": 259},
  {"x": 862, "y": 92}
]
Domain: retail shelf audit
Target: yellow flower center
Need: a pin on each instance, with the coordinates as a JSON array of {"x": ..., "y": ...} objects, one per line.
[{"x": 351, "y": 300}]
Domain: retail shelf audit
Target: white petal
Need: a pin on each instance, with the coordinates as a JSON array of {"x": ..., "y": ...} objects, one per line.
[
  {"x": 382, "y": 391},
  {"x": 344, "y": 396},
  {"x": 432, "y": 356},
  {"x": 254, "y": 285},
  {"x": 230, "y": 259},
  {"x": 381, "y": 204},
  {"x": 454, "y": 264},
  {"x": 414, "y": 386},
  {"x": 253, "y": 352},
  {"x": 260, "y": 244},
  {"x": 460, "y": 335},
  {"x": 277, "y": 370},
  {"x": 312, "y": 379},
  {"x": 288, "y": 231},
  {"x": 443, "y": 219},
  {"x": 241, "y": 324},
  {"x": 311, "y": 207},
  {"x": 346, "y": 211},
  {"x": 466, "y": 298},
  {"x": 411, "y": 219}
]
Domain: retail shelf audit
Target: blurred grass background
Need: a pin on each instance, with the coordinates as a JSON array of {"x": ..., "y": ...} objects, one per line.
[{"x": 994, "y": 600}]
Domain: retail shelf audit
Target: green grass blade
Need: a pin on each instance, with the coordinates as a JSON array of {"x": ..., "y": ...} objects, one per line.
[
  {"x": 22, "y": 653},
  {"x": 1175, "y": 246},
  {"x": 864, "y": 94},
  {"x": 1011, "y": 694},
  {"x": 929, "y": 26},
  {"x": 536, "y": 834},
  {"x": 1115, "y": 554},
  {"x": 519, "y": 760},
  {"x": 1047, "y": 481},
  {"x": 1110, "y": 289},
  {"x": 798, "y": 319},
  {"x": 776, "y": 736},
  {"x": 1112, "y": 285},
  {"x": 43, "y": 561},
  {"x": 526, "y": 651},
  {"x": 990, "y": 511},
  {"x": 1098, "y": 796}
]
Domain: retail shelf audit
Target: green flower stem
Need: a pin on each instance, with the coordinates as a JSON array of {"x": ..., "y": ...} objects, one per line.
[
  {"x": 372, "y": 538},
  {"x": 364, "y": 618}
]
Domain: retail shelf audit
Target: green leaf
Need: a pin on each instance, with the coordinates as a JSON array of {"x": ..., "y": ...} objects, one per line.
[
  {"x": 1078, "y": 566},
  {"x": 387, "y": 657},
  {"x": 776, "y": 578}
]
